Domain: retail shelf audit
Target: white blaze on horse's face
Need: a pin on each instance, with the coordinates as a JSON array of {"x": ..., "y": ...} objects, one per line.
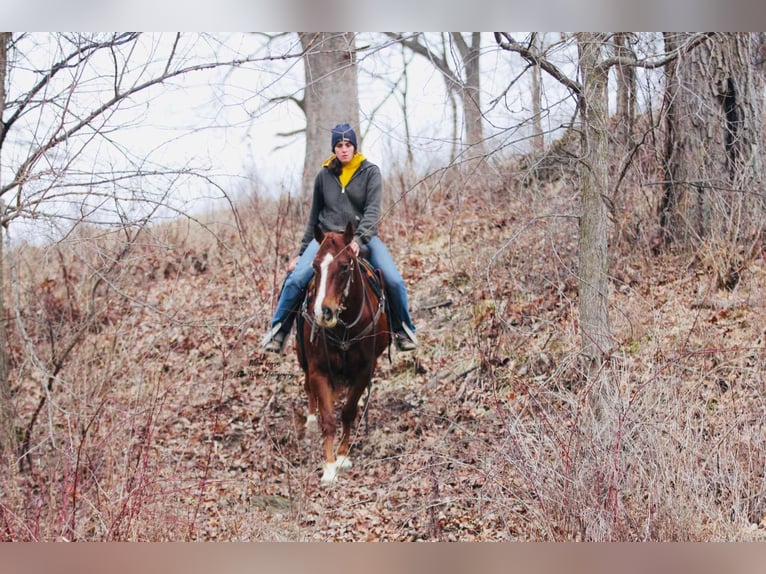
[{"x": 321, "y": 314}]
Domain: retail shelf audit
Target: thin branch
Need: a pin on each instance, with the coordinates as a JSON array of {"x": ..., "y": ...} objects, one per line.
[
  {"x": 439, "y": 61},
  {"x": 533, "y": 56},
  {"x": 22, "y": 173},
  {"x": 70, "y": 61}
]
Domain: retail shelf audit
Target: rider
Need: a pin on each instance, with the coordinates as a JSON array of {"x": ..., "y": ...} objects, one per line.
[{"x": 347, "y": 188}]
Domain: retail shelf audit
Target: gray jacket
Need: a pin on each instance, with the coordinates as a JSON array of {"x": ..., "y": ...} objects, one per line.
[{"x": 333, "y": 207}]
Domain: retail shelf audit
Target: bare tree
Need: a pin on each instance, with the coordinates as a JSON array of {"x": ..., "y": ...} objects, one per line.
[
  {"x": 471, "y": 90},
  {"x": 462, "y": 75},
  {"x": 62, "y": 114},
  {"x": 626, "y": 87},
  {"x": 331, "y": 95},
  {"x": 8, "y": 436},
  {"x": 713, "y": 196},
  {"x": 538, "y": 140},
  {"x": 594, "y": 178},
  {"x": 593, "y": 169}
]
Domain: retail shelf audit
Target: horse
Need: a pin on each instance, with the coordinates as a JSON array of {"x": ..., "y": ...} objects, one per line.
[{"x": 342, "y": 330}]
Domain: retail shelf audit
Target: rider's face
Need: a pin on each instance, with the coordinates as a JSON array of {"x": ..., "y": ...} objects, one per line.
[{"x": 344, "y": 151}]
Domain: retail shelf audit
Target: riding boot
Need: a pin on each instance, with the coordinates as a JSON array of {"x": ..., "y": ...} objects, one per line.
[
  {"x": 275, "y": 339},
  {"x": 405, "y": 339}
]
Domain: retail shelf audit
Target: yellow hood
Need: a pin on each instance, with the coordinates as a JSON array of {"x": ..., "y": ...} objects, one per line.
[{"x": 348, "y": 170}]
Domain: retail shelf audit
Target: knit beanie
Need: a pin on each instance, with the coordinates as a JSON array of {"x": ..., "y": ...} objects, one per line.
[{"x": 343, "y": 132}]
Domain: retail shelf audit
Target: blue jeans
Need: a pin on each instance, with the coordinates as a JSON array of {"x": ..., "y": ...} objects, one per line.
[{"x": 295, "y": 284}]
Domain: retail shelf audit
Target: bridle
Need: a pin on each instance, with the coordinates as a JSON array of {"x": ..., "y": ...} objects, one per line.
[{"x": 344, "y": 340}]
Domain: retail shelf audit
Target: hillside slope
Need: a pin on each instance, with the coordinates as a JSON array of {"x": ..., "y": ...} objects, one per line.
[{"x": 165, "y": 421}]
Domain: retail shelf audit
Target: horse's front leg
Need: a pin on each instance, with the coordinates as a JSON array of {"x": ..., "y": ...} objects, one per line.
[
  {"x": 312, "y": 424},
  {"x": 324, "y": 394},
  {"x": 348, "y": 418}
]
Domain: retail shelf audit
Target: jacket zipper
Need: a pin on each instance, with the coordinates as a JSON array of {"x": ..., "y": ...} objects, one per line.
[{"x": 342, "y": 187}]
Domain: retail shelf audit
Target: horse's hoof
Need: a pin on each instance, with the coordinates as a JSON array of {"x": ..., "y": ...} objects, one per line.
[
  {"x": 330, "y": 475},
  {"x": 312, "y": 424},
  {"x": 343, "y": 462},
  {"x": 332, "y": 469},
  {"x": 327, "y": 482}
]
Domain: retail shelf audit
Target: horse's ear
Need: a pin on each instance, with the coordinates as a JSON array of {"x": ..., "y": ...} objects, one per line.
[
  {"x": 318, "y": 233},
  {"x": 348, "y": 234}
]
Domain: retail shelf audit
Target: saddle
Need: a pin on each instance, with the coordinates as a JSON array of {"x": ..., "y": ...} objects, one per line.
[{"x": 374, "y": 277}]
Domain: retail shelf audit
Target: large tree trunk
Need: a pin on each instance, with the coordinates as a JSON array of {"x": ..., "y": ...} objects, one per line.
[
  {"x": 331, "y": 95},
  {"x": 713, "y": 195},
  {"x": 593, "y": 266},
  {"x": 8, "y": 438}
]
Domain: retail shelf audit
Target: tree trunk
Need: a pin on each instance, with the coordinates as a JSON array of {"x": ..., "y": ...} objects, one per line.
[
  {"x": 713, "y": 195},
  {"x": 593, "y": 239},
  {"x": 470, "y": 93},
  {"x": 626, "y": 89},
  {"x": 538, "y": 140},
  {"x": 331, "y": 96},
  {"x": 8, "y": 437}
]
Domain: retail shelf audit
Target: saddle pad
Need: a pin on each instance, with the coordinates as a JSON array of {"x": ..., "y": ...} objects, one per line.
[{"x": 374, "y": 279}]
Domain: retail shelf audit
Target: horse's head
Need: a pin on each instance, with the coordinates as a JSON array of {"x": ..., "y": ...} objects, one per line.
[{"x": 333, "y": 267}]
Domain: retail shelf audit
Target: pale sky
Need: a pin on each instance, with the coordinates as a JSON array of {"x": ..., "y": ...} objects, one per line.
[{"x": 222, "y": 121}]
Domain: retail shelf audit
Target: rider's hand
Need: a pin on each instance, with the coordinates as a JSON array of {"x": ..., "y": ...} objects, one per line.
[
  {"x": 355, "y": 248},
  {"x": 293, "y": 263}
]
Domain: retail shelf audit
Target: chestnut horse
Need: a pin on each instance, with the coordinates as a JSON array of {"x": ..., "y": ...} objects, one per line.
[{"x": 342, "y": 332}]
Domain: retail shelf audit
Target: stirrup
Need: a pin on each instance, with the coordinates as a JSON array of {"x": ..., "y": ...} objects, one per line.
[
  {"x": 274, "y": 340},
  {"x": 405, "y": 339},
  {"x": 410, "y": 334}
]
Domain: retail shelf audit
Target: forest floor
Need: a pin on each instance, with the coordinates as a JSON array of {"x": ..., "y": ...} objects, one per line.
[{"x": 168, "y": 423}]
